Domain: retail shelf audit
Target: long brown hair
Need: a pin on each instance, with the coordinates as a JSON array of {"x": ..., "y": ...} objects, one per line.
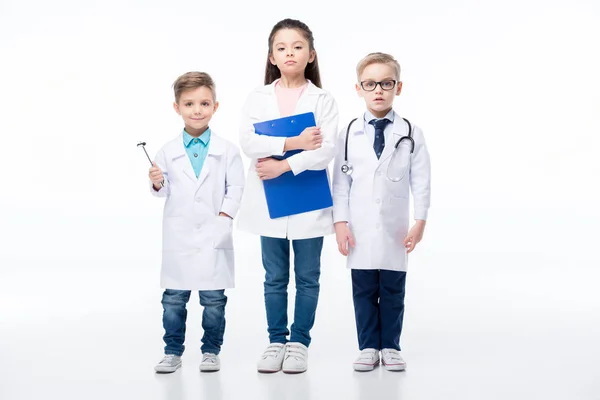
[{"x": 312, "y": 69}]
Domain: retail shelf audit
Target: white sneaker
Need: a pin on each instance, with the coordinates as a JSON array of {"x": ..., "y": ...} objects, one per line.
[
  {"x": 169, "y": 363},
  {"x": 367, "y": 360},
  {"x": 272, "y": 358},
  {"x": 392, "y": 361},
  {"x": 296, "y": 358},
  {"x": 210, "y": 362}
]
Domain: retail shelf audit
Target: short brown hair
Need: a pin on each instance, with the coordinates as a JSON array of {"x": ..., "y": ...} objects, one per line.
[
  {"x": 193, "y": 80},
  {"x": 378, "y": 58}
]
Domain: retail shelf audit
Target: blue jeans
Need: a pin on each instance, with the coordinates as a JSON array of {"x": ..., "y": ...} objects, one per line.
[
  {"x": 175, "y": 314},
  {"x": 307, "y": 269},
  {"x": 378, "y": 307}
]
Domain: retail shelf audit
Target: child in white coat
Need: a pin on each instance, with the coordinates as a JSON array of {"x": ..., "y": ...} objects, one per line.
[
  {"x": 381, "y": 157},
  {"x": 201, "y": 175},
  {"x": 292, "y": 86}
]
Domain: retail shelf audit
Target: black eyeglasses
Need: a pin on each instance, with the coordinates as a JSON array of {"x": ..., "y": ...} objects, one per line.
[{"x": 369, "y": 86}]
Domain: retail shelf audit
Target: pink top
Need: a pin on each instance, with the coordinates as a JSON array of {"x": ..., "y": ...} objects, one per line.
[{"x": 288, "y": 98}]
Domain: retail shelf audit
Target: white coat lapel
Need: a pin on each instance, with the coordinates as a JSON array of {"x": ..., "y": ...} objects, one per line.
[
  {"x": 399, "y": 129},
  {"x": 187, "y": 168},
  {"x": 308, "y": 100},
  {"x": 359, "y": 138},
  {"x": 271, "y": 106},
  {"x": 176, "y": 152},
  {"x": 216, "y": 148}
]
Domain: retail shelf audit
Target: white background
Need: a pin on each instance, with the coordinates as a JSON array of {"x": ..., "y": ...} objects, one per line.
[{"x": 502, "y": 297}]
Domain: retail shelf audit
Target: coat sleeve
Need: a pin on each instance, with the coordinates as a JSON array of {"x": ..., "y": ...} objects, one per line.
[
  {"x": 234, "y": 182},
  {"x": 160, "y": 161},
  {"x": 341, "y": 183},
  {"x": 420, "y": 176},
  {"x": 320, "y": 158},
  {"x": 254, "y": 145}
]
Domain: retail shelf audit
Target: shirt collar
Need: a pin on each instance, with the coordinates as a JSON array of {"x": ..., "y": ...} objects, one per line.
[
  {"x": 369, "y": 117},
  {"x": 204, "y": 138},
  {"x": 310, "y": 89}
]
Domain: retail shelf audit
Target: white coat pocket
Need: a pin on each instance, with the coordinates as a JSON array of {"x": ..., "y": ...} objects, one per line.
[
  {"x": 399, "y": 162},
  {"x": 222, "y": 235}
]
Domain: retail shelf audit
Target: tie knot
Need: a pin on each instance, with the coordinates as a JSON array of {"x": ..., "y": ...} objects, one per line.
[{"x": 380, "y": 124}]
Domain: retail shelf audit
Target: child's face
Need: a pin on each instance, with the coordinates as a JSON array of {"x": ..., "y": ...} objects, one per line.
[
  {"x": 290, "y": 52},
  {"x": 378, "y": 101},
  {"x": 196, "y": 107}
]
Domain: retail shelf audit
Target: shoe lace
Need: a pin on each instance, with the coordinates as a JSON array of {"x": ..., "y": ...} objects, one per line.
[
  {"x": 209, "y": 358},
  {"x": 168, "y": 359},
  {"x": 271, "y": 351}
]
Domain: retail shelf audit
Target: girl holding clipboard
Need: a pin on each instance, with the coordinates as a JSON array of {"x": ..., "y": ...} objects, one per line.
[{"x": 292, "y": 87}]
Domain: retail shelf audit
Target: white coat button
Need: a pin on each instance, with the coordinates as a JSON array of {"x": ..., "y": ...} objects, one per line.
[
  {"x": 379, "y": 173},
  {"x": 378, "y": 201},
  {"x": 198, "y": 200},
  {"x": 198, "y": 226},
  {"x": 378, "y": 225}
]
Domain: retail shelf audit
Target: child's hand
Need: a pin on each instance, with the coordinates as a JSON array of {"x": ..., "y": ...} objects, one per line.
[
  {"x": 414, "y": 236},
  {"x": 270, "y": 168},
  {"x": 156, "y": 175},
  {"x": 344, "y": 237},
  {"x": 310, "y": 138}
]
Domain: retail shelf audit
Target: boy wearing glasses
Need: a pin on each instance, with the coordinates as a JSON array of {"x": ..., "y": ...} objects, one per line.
[{"x": 370, "y": 209}]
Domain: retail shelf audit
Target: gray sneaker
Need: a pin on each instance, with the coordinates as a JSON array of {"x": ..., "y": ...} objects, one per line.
[
  {"x": 169, "y": 363},
  {"x": 210, "y": 362}
]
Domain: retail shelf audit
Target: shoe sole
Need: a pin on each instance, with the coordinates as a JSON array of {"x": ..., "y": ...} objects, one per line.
[
  {"x": 365, "y": 367},
  {"x": 167, "y": 370},
  {"x": 293, "y": 371},
  {"x": 395, "y": 367},
  {"x": 209, "y": 369},
  {"x": 268, "y": 371}
]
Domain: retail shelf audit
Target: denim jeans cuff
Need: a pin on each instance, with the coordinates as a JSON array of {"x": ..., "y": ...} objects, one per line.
[{"x": 173, "y": 352}]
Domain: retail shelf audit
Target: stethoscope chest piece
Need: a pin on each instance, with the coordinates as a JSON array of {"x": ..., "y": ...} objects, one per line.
[{"x": 347, "y": 169}]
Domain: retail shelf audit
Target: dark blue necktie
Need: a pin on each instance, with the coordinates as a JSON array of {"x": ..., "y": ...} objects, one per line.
[{"x": 379, "y": 142}]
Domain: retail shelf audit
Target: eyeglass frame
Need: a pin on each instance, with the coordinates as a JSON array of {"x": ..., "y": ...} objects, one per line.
[{"x": 380, "y": 85}]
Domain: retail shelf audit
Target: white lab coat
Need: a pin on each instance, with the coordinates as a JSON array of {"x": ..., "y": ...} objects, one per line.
[
  {"x": 376, "y": 208},
  {"x": 197, "y": 249},
  {"x": 262, "y": 106}
]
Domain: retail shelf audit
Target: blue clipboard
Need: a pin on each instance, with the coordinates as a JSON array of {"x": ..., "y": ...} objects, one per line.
[{"x": 290, "y": 194}]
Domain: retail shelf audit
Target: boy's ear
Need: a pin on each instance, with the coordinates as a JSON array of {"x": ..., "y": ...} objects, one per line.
[
  {"x": 216, "y": 106},
  {"x": 176, "y": 108},
  {"x": 358, "y": 91},
  {"x": 398, "y": 88}
]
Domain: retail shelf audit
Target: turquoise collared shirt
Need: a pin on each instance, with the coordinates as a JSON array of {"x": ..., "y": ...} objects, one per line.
[{"x": 196, "y": 149}]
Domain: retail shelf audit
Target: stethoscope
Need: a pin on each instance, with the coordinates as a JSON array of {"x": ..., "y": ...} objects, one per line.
[{"x": 347, "y": 167}]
